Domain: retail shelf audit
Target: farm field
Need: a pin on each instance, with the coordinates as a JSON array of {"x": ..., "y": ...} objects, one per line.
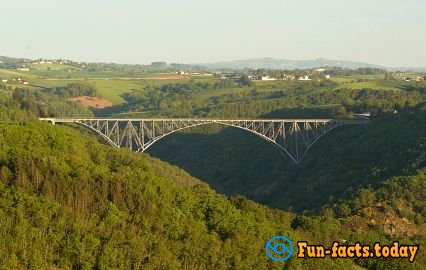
[
  {"x": 374, "y": 84},
  {"x": 110, "y": 86},
  {"x": 49, "y": 67}
]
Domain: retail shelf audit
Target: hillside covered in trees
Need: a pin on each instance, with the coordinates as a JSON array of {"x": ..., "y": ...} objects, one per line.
[{"x": 69, "y": 202}]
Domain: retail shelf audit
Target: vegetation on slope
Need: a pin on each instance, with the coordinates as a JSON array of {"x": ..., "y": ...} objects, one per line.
[{"x": 69, "y": 202}]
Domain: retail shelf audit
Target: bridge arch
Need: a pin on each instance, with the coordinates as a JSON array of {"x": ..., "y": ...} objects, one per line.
[{"x": 245, "y": 129}]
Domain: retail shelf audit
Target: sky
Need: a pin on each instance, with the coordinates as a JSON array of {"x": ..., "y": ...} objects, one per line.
[{"x": 384, "y": 32}]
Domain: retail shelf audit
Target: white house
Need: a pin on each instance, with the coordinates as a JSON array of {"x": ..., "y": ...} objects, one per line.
[
  {"x": 304, "y": 78},
  {"x": 267, "y": 78},
  {"x": 25, "y": 82},
  {"x": 4, "y": 81},
  {"x": 365, "y": 115},
  {"x": 23, "y": 69},
  {"x": 327, "y": 76}
]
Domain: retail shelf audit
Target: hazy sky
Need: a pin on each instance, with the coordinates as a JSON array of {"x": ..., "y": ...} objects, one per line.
[{"x": 385, "y": 32}]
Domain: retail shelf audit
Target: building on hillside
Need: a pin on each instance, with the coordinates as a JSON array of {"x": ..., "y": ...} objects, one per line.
[
  {"x": 288, "y": 77},
  {"x": 327, "y": 76},
  {"x": 304, "y": 78},
  {"x": 26, "y": 83},
  {"x": 4, "y": 81},
  {"x": 366, "y": 115},
  {"x": 23, "y": 69},
  {"x": 181, "y": 72},
  {"x": 320, "y": 69},
  {"x": 267, "y": 78}
]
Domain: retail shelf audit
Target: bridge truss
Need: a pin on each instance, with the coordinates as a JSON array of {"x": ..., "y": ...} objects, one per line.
[{"x": 294, "y": 137}]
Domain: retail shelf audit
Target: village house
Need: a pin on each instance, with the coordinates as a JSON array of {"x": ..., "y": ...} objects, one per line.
[
  {"x": 304, "y": 78},
  {"x": 288, "y": 77},
  {"x": 267, "y": 78}
]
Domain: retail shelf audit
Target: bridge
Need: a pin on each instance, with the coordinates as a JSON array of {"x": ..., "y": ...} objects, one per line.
[{"x": 294, "y": 137}]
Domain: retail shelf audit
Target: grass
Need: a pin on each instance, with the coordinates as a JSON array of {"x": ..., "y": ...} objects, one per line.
[
  {"x": 376, "y": 84},
  {"x": 110, "y": 89},
  {"x": 341, "y": 79},
  {"x": 10, "y": 74},
  {"x": 82, "y": 74},
  {"x": 51, "y": 67},
  {"x": 109, "y": 84},
  {"x": 50, "y": 83},
  {"x": 113, "y": 90}
]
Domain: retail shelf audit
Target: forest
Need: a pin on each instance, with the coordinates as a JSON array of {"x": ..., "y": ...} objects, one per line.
[{"x": 69, "y": 201}]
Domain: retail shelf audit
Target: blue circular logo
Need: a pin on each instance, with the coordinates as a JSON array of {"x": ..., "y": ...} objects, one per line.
[{"x": 279, "y": 248}]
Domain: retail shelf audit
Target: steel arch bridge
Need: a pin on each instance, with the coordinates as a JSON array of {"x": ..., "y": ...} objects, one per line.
[{"x": 294, "y": 137}]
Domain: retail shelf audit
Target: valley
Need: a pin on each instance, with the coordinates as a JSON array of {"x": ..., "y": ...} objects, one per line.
[{"x": 93, "y": 206}]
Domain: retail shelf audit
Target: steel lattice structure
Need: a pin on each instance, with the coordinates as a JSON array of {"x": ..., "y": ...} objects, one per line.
[{"x": 294, "y": 137}]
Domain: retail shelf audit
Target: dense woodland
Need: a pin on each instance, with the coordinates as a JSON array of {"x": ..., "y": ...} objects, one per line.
[{"x": 68, "y": 201}]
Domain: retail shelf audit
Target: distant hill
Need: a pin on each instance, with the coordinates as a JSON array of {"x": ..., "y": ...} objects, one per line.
[
  {"x": 254, "y": 63},
  {"x": 273, "y": 63},
  {"x": 9, "y": 62}
]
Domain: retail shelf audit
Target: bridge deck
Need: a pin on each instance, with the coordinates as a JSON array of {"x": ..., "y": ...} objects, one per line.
[{"x": 276, "y": 120}]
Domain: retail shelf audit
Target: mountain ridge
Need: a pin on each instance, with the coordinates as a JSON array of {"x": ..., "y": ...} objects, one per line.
[
  {"x": 266, "y": 63},
  {"x": 276, "y": 63}
]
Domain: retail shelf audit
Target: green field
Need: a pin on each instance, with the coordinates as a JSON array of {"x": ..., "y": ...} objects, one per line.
[
  {"x": 375, "y": 84},
  {"x": 51, "y": 67},
  {"x": 112, "y": 89},
  {"x": 10, "y": 74},
  {"x": 110, "y": 85}
]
